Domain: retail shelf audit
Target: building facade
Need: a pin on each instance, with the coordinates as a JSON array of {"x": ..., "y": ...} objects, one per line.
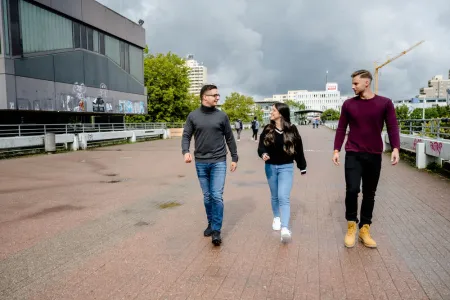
[
  {"x": 437, "y": 88},
  {"x": 313, "y": 100},
  {"x": 198, "y": 75},
  {"x": 73, "y": 56}
]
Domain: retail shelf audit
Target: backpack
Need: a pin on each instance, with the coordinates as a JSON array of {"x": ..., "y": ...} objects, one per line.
[{"x": 253, "y": 124}]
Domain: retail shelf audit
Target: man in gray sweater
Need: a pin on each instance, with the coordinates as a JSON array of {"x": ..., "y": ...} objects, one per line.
[{"x": 211, "y": 129}]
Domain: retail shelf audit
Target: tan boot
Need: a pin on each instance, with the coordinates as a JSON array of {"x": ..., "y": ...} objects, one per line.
[
  {"x": 365, "y": 238},
  {"x": 350, "y": 237}
]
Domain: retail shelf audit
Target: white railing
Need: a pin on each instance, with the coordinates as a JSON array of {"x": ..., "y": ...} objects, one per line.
[{"x": 42, "y": 129}]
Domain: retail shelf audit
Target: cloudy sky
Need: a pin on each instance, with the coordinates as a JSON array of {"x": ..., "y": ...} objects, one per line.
[{"x": 265, "y": 47}]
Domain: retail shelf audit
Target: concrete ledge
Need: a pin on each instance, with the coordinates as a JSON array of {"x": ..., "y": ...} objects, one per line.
[
  {"x": 21, "y": 141},
  {"x": 149, "y": 132},
  {"x": 427, "y": 149},
  {"x": 64, "y": 138}
]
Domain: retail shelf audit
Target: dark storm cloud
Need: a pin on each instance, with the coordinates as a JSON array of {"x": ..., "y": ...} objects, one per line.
[{"x": 264, "y": 47}]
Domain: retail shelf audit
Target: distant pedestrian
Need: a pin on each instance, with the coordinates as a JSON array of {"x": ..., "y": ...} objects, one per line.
[
  {"x": 365, "y": 114},
  {"x": 211, "y": 129},
  {"x": 238, "y": 126},
  {"x": 279, "y": 145},
  {"x": 255, "y": 128}
]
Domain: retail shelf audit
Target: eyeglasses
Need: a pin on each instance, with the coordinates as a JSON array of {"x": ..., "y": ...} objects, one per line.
[{"x": 214, "y": 95}]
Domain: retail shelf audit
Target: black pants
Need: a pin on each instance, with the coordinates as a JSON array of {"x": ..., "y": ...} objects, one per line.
[
  {"x": 255, "y": 134},
  {"x": 365, "y": 166}
]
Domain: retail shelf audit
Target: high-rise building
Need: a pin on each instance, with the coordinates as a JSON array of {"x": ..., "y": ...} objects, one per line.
[
  {"x": 198, "y": 75},
  {"x": 437, "y": 88}
]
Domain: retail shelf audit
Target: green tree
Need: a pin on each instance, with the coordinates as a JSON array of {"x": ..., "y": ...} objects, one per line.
[
  {"x": 167, "y": 82},
  {"x": 330, "y": 115},
  {"x": 294, "y": 105},
  {"x": 239, "y": 106},
  {"x": 402, "y": 112},
  {"x": 193, "y": 102},
  {"x": 258, "y": 113}
]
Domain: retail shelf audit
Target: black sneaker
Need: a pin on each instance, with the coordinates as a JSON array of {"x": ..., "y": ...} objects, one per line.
[
  {"x": 208, "y": 230},
  {"x": 216, "y": 239}
]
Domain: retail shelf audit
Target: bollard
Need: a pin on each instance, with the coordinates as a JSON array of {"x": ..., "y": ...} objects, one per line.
[{"x": 50, "y": 142}]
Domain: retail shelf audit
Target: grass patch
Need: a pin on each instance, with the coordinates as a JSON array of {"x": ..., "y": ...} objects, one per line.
[{"x": 170, "y": 204}]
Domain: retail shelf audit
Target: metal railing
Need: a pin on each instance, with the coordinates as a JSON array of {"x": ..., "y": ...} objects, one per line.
[
  {"x": 42, "y": 129},
  {"x": 434, "y": 128}
]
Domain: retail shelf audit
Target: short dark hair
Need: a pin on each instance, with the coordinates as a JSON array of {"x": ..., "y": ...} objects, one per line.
[
  {"x": 205, "y": 88},
  {"x": 363, "y": 74}
]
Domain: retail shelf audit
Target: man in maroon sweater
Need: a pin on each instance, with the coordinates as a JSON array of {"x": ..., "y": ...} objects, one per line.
[{"x": 365, "y": 114}]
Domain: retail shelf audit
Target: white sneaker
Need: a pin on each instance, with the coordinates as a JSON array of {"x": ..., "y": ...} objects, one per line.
[
  {"x": 285, "y": 235},
  {"x": 276, "y": 224}
]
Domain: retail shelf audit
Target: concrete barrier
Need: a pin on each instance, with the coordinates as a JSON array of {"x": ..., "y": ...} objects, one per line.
[
  {"x": 150, "y": 133},
  {"x": 427, "y": 150},
  {"x": 21, "y": 141},
  {"x": 81, "y": 140},
  {"x": 85, "y": 138}
]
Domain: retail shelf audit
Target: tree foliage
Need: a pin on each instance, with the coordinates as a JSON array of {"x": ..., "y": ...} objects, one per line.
[
  {"x": 294, "y": 105},
  {"x": 167, "y": 82},
  {"x": 402, "y": 112},
  {"x": 330, "y": 115},
  {"x": 239, "y": 106}
]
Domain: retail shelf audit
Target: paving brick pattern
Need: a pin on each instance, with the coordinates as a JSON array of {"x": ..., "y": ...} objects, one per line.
[{"x": 68, "y": 230}]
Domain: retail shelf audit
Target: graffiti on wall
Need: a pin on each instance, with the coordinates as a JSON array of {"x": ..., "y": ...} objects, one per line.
[
  {"x": 77, "y": 98},
  {"x": 436, "y": 147},
  {"x": 130, "y": 107}
]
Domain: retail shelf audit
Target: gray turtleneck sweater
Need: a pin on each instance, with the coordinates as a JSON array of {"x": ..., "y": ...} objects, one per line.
[{"x": 211, "y": 128}]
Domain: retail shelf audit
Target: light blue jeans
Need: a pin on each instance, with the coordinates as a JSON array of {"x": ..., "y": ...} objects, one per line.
[
  {"x": 280, "y": 179},
  {"x": 212, "y": 181}
]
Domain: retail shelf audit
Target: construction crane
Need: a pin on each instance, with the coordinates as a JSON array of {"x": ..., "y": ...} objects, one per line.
[{"x": 389, "y": 61}]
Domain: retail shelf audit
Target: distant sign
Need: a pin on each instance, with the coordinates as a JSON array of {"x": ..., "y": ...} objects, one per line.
[{"x": 332, "y": 87}]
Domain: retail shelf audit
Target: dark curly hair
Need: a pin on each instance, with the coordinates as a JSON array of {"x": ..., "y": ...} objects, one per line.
[{"x": 290, "y": 132}]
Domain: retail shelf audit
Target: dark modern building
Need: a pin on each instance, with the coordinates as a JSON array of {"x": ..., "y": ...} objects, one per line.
[{"x": 66, "y": 59}]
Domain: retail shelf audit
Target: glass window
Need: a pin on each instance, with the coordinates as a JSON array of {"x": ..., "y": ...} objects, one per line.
[
  {"x": 112, "y": 48},
  {"x": 90, "y": 38},
  {"x": 5, "y": 27},
  {"x": 95, "y": 41},
  {"x": 76, "y": 35},
  {"x": 125, "y": 56},
  {"x": 83, "y": 37},
  {"x": 137, "y": 63},
  {"x": 101, "y": 41},
  {"x": 43, "y": 30}
]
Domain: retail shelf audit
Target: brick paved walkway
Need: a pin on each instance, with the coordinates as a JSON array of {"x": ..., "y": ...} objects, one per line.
[{"x": 67, "y": 233}]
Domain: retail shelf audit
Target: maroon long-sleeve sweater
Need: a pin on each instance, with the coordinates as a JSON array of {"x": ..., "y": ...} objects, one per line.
[{"x": 366, "y": 118}]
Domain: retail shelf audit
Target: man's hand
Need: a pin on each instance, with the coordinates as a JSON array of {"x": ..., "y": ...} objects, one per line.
[
  {"x": 265, "y": 157},
  {"x": 233, "y": 166},
  {"x": 395, "y": 157},
  {"x": 187, "y": 158},
  {"x": 336, "y": 158}
]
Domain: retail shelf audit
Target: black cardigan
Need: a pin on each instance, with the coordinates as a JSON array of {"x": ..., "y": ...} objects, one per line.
[{"x": 276, "y": 152}]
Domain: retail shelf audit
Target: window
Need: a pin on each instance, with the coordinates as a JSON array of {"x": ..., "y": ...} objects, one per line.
[
  {"x": 76, "y": 35},
  {"x": 5, "y": 27},
  {"x": 43, "y": 30},
  {"x": 101, "y": 43},
  {"x": 137, "y": 63},
  {"x": 90, "y": 39},
  {"x": 95, "y": 40},
  {"x": 83, "y": 39},
  {"x": 112, "y": 48},
  {"x": 125, "y": 56}
]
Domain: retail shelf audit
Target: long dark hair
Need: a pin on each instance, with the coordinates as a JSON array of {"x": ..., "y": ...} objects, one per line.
[{"x": 290, "y": 133}]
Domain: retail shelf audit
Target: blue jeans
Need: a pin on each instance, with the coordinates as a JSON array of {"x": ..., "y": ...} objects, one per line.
[
  {"x": 212, "y": 181},
  {"x": 280, "y": 179}
]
